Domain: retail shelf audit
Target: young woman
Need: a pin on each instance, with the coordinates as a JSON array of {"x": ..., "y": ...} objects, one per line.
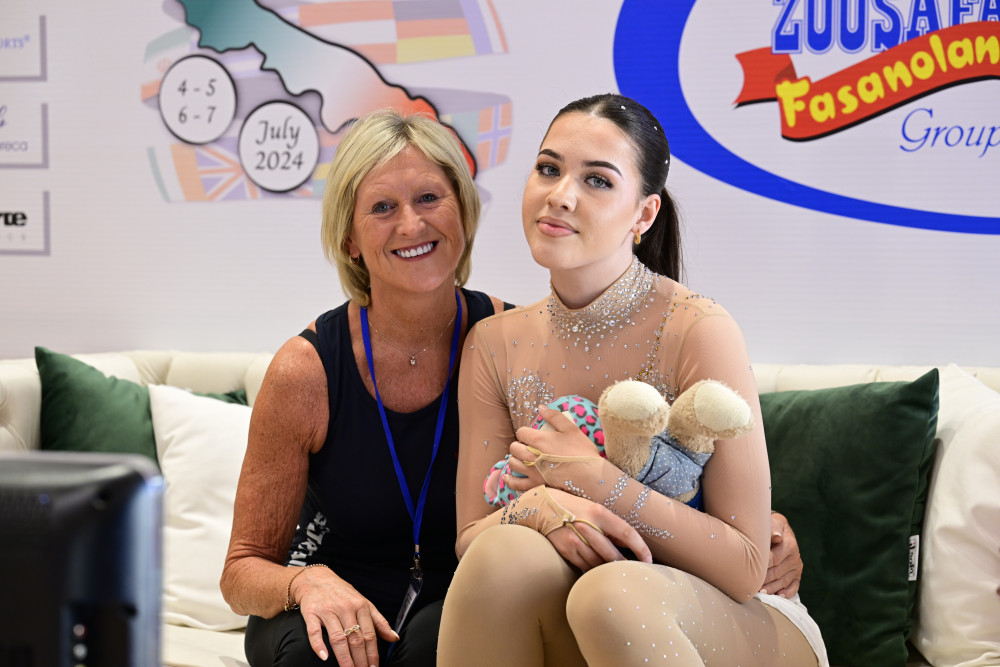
[{"x": 596, "y": 214}]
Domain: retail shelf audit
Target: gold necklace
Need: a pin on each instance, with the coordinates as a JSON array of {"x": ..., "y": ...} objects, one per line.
[{"x": 413, "y": 357}]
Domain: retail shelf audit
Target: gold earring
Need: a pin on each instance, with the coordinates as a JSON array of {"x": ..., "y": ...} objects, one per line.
[{"x": 638, "y": 238}]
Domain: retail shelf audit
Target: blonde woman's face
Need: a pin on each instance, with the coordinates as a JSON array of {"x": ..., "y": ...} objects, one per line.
[{"x": 407, "y": 225}]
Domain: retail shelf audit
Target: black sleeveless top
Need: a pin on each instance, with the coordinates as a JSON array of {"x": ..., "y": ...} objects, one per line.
[{"x": 354, "y": 518}]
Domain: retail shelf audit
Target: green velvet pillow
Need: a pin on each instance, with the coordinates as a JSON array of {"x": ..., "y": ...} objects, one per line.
[
  {"x": 84, "y": 410},
  {"x": 850, "y": 468}
]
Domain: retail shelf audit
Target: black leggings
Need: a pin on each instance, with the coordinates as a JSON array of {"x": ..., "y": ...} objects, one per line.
[{"x": 282, "y": 641}]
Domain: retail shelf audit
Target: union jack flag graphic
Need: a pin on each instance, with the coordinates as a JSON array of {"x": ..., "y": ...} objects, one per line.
[{"x": 213, "y": 172}]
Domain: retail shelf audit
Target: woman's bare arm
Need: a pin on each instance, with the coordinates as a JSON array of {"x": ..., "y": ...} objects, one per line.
[{"x": 289, "y": 421}]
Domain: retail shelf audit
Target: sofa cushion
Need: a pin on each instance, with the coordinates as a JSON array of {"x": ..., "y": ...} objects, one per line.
[
  {"x": 850, "y": 469},
  {"x": 200, "y": 443},
  {"x": 959, "y": 611},
  {"x": 85, "y": 408}
]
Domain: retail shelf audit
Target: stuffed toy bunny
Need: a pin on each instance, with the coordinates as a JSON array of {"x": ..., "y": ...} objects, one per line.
[{"x": 663, "y": 446}]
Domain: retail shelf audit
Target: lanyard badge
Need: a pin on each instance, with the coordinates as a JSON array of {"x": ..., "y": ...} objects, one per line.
[{"x": 416, "y": 583}]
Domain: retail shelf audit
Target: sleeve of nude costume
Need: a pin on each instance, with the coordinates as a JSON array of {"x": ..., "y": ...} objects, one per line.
[{"x": 485, "y": 433}]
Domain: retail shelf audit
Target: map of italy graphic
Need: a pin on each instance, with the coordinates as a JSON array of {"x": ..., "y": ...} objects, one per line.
[
  {"x": 279, "y": 148},
  {"x": 303, "y": 61}
]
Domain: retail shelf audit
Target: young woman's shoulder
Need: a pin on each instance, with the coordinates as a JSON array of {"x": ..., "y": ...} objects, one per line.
[
  {"x": 682, "y": 299},
  {"x": 509, "y": 313},
  {"x": 510, "y": 324}
]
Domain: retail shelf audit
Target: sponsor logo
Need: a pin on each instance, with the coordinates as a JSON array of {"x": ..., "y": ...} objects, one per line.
[
  {"x": 916, "y": 55},
  {"x": 12, "y": 43},
  {"x": 24, "y": 225},
  {"x": 915, "y": 68},
  {"x": 14, "y": 218}
]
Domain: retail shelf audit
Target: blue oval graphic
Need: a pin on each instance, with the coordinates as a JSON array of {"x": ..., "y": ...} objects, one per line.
[{"x": 639, "y": 57}]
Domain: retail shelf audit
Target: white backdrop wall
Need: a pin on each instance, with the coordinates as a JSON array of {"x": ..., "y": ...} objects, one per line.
[{"x": 111, "y": 252}]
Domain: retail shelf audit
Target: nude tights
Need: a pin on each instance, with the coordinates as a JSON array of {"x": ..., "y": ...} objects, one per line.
[{"x": 515, "y": 601}]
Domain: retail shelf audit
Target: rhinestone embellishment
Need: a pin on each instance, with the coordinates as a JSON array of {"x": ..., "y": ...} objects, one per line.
[{"x": 612, "y": 310}]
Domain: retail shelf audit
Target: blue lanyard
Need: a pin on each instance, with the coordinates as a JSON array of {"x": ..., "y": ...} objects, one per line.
[{"x": 415, "y": 515}]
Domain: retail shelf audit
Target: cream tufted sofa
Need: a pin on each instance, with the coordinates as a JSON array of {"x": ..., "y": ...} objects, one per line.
[{"x": 204, "y": 635}]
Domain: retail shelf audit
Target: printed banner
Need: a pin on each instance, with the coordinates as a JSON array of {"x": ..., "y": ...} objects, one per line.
[
  {"x": 835, "y": 162},
  {"x": 240, "y": 85}
]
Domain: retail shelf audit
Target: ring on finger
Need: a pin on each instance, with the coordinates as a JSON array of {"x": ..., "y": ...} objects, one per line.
[{"x": 353, "y": 628}]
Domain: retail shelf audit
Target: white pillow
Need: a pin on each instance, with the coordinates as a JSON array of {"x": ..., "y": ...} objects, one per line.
[
  {"x": 958, "y": 614},
  {"x": 200, "y": 443}
]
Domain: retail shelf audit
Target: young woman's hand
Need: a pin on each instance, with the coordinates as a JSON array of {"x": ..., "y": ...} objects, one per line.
[
  {"x": 352, "y": 623},
  {"x": 527, "y": 476},
  {"x": 585, "y": 547},
  {"x": 564, "y": 440}
]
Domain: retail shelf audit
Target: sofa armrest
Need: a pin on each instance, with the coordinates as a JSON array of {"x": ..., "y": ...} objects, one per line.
[{"x": 20, "y": 404}]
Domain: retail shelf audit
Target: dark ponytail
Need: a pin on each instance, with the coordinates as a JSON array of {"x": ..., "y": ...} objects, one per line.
[{"x": 660, "y": 248}]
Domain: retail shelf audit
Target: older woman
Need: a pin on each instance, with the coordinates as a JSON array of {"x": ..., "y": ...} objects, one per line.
[{"x": 353, "y": 438}]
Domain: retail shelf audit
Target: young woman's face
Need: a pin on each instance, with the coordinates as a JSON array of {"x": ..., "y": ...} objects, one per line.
[
  {"x": 582, "y": 205},
  {"x": 407, "y": 224}
]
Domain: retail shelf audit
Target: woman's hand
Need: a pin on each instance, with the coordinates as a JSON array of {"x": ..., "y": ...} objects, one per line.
[
  {"x": 351, "y": 622},
  {"x": 528, "y": 476},
  {"x": 784, "y": 568},
  {"x": 565, "y": 439},
  {"x": 585, "y": 547}
]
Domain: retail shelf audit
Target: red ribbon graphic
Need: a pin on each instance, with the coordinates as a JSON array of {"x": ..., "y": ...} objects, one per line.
[{"x": 812, "y": 109}]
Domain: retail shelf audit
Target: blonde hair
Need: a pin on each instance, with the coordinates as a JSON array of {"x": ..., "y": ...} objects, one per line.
[{"x": 371, "y": 142}]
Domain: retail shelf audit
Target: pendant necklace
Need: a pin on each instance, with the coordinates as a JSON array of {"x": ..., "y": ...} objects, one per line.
[{"x": 413, "y": 357}]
